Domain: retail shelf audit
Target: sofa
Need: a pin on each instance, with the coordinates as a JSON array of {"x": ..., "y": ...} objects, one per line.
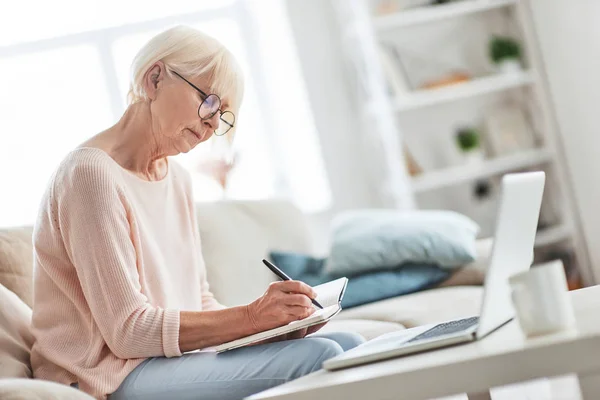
[{"x": 236, "y": 235}]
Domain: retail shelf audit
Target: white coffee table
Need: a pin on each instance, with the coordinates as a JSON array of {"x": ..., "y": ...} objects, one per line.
[{"x": 502, "y": 358}]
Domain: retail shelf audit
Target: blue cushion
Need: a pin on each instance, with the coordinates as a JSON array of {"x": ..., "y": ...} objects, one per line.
[
  {"x": 362, "y": 289},
  {"x": 365, "y": 240},
  {"x": 300, "y": 267},
  {"x": 380, "y": 285}
]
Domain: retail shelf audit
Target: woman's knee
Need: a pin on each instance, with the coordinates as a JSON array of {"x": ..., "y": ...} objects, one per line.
[
  {"x": 329, "y": 348},
  {"x": 347, "y": 340},
  {"x": 315, "y": 351}
]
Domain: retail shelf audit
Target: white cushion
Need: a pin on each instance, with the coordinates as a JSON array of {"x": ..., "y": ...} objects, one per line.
[
  {"x": 15, "y": 336},
  {"x": 368, "y": 329},
  {"x": 422, "y": 308},
  {"x": 237, "y": 235}
]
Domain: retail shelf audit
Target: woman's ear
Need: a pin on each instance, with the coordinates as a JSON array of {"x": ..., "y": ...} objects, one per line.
[{"x": 153, "y": 79}]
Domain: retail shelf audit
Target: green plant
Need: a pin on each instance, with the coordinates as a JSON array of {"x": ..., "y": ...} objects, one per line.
[
  {"x": 467, "y": 139},
  {"x": 503, "y": 48}
]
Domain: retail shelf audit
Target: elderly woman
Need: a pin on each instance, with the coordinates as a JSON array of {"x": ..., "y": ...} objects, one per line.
[{"x": 121, "y": 291}]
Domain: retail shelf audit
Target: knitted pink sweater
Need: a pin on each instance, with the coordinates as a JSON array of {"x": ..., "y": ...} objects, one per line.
[{"x": 116, "y": 259}]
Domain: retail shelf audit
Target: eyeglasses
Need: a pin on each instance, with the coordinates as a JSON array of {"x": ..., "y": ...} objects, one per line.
[{"x": 211, "y": 104}]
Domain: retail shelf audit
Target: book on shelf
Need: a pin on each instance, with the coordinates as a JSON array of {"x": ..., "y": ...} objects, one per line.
[{"x": 508, "y": 130}]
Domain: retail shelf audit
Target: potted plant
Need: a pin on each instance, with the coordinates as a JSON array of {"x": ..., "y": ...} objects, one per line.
[
  {"x": 469, "y": 145},
  {"x": 505, "y": 52}
]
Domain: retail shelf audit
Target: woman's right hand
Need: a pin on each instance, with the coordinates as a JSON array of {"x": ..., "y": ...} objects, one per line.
[{"x": 282, "y": 303}]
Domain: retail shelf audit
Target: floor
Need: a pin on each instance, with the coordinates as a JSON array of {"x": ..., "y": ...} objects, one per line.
[{"x": 559, "y": 388}]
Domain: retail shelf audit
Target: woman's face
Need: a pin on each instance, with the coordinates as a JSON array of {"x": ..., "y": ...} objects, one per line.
[{"x": 176, "y": 126}]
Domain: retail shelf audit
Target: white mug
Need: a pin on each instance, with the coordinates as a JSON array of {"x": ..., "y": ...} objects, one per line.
[{"x": 541, "y": 299}]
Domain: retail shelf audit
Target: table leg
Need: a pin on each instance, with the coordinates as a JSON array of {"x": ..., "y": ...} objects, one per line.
[
  {"x": 589, "y": 384},
  {"x": 481, "y": 396}
]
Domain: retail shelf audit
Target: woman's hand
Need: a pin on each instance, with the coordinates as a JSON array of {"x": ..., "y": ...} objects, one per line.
[{"x": 282, "y": 303}]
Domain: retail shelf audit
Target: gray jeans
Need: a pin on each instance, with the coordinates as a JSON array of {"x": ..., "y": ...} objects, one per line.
[{"x": 234, "y": 374}]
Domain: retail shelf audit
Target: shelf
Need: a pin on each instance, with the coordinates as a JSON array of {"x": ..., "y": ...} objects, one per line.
[
  {"x": 436, "y": 13},
  {"x": 462, "y": 174},
  {"x": 552, "y": 235},
  {"x": 475, "y": 87}
]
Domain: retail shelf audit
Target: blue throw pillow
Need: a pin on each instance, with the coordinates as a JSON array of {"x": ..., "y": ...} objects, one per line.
[
  {"x": 366, "y": 288},
  {"x": 366, "y": 240}
]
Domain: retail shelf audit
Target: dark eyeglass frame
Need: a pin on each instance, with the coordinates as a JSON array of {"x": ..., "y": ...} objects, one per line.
[{"x": 204, "y": 97}]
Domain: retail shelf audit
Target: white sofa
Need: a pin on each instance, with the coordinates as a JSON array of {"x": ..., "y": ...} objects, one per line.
[{"x": 235, "y": 237}]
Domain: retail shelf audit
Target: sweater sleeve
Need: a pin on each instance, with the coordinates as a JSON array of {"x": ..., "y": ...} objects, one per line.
[{"x": 93, "y": 216}]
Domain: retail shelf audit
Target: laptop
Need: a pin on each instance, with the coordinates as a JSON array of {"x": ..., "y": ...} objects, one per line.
[{"x": 512, "y": 252}]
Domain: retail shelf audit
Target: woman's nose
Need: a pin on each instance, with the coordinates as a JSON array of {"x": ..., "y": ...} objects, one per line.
[{"x": 212, "y": 122}]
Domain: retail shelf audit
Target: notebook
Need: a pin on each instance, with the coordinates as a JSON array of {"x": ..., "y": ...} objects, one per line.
[{"x": 329, "y": 295}]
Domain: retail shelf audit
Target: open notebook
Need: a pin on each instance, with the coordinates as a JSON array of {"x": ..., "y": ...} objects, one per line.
[{"x": 329, "y": 295}]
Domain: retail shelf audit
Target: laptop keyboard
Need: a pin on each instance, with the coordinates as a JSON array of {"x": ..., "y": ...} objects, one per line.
[{"x": 446, "y": 328}]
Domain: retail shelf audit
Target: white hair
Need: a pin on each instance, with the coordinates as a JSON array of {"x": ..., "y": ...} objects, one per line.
[{"x": 191, "y": 53}]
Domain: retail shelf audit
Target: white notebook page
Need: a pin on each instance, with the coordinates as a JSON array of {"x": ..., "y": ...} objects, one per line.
[{"x": 328, "y": 294}]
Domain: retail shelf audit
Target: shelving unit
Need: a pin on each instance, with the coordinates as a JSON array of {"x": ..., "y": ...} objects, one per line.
[
  {"x": 457, "y": 175},
  {"x": 427, "y": 15},
  {"x": 476, "y": 87},
  {"x": 429, "y": 113}
]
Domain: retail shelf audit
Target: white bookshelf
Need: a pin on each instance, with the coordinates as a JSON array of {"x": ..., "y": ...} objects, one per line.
[
  {"x": 459, "y": 91},
  {"x": 437, "y": 113},
  {"x": 433, "y": 14},
  {"x": 462, "y": 174}
]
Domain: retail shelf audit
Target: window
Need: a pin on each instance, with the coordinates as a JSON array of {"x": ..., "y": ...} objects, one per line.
[
  {"x": 45, "y": 113},
  {"x": 67, "y": 75},
  {"x": 33, "y": 20}
]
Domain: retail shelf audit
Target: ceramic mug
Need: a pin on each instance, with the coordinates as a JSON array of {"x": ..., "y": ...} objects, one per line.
[{"x": 541, "y": 299}]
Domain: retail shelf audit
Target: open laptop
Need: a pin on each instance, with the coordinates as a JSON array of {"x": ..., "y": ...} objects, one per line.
[{"x": 517, "y": 218}]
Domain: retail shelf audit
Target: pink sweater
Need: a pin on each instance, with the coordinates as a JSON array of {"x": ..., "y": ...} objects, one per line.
[{"x": 116, "y": 259}]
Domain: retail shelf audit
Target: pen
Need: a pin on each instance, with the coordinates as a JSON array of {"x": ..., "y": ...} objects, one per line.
[{"x": 284, "y": 277}]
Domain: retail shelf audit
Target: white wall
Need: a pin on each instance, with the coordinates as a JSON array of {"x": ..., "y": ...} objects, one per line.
[
  {"x": 320, "y": 57},
  {"x": 569, "y": 36}
]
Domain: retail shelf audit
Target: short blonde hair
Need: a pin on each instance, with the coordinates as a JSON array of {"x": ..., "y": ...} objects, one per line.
[{"x": 192, "y": 54}]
